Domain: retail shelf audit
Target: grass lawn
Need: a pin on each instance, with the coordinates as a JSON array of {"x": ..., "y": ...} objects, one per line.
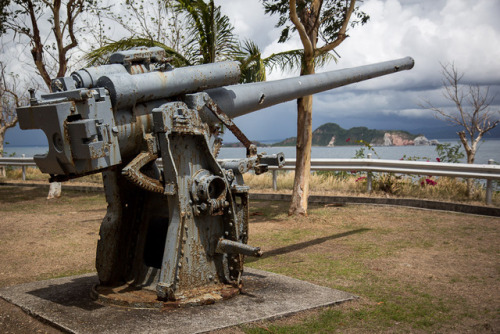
[{"x": 413, "y": 270}]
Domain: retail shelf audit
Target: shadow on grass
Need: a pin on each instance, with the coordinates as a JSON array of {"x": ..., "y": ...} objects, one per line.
[
  {"x": 263, "y": 211},
  {"x": 19, "y": 194},
  {"x": 16, "y": 194},
  {"x": 305, "y": 244}
]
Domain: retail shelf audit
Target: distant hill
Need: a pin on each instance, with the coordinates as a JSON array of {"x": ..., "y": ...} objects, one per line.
[
  {"x": 332, "y": 134},
  {"x": 238, "y": 144}
]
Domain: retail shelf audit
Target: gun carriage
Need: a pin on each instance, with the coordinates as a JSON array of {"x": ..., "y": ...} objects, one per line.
[{"x": 178, "y": 234}]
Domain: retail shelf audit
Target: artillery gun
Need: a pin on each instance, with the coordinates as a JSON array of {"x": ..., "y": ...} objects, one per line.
[{"x": 176, "y": 235}]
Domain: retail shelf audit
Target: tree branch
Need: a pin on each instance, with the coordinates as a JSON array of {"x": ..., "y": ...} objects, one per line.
[
  {"x": 306, "y": 42},
  {"x": 37, "y": 50},
  {"x": 342, "y": 32}
]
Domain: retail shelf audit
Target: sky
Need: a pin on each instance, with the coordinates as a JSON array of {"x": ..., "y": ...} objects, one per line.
[{"x": 433, "y": 32}]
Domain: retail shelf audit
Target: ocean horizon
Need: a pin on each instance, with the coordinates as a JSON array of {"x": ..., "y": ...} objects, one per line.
[{"x": 488, "y": 149}]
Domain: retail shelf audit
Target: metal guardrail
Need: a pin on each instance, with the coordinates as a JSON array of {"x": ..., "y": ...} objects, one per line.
[
  {"x": 486, "y": 172},
  {"x": 22, "y": 162},
  {"x": 4, "y": 161},
  {"x": 477, "y": 171}
]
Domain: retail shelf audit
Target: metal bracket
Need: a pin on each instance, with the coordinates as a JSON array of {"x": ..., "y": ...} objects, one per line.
[{"x": 221, "y": 115}]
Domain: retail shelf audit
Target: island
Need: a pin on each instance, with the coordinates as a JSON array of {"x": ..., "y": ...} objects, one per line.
[{"x": 332, "y": 134}]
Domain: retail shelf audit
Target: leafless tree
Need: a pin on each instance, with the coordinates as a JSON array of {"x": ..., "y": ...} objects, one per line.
[
  {"x": 9, "y": 101},
  {"x": 50, "y": 48},
  {"x": 473, "y": 112}
]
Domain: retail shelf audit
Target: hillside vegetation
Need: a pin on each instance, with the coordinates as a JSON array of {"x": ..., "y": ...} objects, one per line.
[{"x": 323, "y": 135}]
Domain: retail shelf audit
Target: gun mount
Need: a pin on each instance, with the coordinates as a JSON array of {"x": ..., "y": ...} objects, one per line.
[{"x": 180, "y": 232}]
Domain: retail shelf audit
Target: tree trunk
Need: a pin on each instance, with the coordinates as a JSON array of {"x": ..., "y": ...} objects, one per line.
[
  {"x": 300, "y": 194},
  {"x": 471, "y": 155},
  {"x": 470, "y": 151},
  {"x": 2, "y": 138}
]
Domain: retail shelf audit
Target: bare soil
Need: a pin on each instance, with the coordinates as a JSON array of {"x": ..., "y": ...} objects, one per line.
[{"x": 432, "y": 257}]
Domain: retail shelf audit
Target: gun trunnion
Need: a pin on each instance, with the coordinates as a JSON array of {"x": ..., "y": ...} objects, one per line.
[{"x": 178, "y": 233}]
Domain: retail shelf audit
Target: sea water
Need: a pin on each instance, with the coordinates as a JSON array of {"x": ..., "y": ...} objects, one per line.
[{"x": 488, "y": 149}]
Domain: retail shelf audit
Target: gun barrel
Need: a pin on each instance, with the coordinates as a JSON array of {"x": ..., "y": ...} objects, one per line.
[
  {"x": 238, "y": 100},
  {"x": 126, "y": 90}
]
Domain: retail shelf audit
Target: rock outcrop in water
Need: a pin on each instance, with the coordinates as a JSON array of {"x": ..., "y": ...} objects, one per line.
[{"x": 331, "y": 134}]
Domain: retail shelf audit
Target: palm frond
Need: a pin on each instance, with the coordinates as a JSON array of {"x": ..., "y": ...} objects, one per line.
[
  {"x": 285, "y": 61},
  {"x": 292, "y": 60},
  {"x": 211, "y": 33},
  {"x": 252, "y": 65}
]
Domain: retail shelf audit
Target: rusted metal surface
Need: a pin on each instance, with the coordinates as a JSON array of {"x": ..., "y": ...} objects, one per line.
[
  {"x": 251, "y": 148},
  {"x": 178, "y": 236},
  {"x": 124, "y": 296},
  {"x": 133, "y": 174}
]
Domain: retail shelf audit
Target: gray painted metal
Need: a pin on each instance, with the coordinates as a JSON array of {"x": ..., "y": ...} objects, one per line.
[
  {"x": 238, "y": 100},
  {"x": 127, "y": 90},
  {"x": 180, "y": 231}
]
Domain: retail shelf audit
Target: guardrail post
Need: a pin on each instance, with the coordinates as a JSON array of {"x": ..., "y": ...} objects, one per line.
[
  {"x": 24, "y": 169},
  {"x": 275, "y": 179},
  {"x": 489, "y": 186},
  {"x": 369, "y": 177}
]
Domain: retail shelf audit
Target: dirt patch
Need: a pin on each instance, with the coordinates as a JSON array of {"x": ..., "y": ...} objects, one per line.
[{"x": 415, "y": 270}]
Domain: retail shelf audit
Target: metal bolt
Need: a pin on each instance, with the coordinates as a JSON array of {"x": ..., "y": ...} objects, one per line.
[{"x": 226, "y": 233}]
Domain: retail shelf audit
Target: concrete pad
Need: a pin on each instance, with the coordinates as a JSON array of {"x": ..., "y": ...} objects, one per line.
[{"x": 66, "y": 304}]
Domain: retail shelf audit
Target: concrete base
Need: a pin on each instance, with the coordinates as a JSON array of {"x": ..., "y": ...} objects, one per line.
[{"x": 66, "y": 304}]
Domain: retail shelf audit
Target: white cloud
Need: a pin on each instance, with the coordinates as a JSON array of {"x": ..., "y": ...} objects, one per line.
[{"x": 431, "y": 31}]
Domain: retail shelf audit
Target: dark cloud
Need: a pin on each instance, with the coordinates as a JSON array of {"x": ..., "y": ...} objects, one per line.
[{"x": 433, "y": 32}]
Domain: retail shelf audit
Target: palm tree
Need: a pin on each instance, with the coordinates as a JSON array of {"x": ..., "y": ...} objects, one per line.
[
  {"x": 211, "y": 37},
  {"x": 212, "y": 34},
  {"x": 253, "y": 66}
]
